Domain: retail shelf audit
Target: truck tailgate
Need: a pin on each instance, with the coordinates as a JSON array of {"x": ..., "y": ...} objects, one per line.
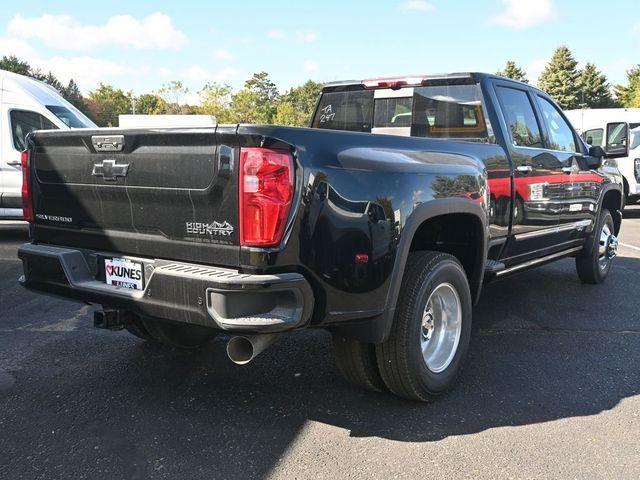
[{"x": 165, "y": 193}]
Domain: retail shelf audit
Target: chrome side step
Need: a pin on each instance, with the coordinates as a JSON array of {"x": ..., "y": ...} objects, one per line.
[{"x": 538, "y": 261}]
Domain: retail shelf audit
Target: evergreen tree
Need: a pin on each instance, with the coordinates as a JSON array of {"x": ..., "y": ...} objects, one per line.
[
  {"x": 72, "y": 94},
  {"x": 48, "y": 78},
  {"x": 512, "y": 71},
  {"x": 14, "y": 64},
  {"x": 628, "y": 94},
  {"x": 561, "y": 79},
  {"x": 596, "y": 92}
]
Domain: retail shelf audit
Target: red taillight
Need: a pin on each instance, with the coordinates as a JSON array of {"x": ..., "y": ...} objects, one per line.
[
  {"x": 27, "y": 200},
  {"x": 393, "y": 83},
  {"x": 266, "y": 190}
]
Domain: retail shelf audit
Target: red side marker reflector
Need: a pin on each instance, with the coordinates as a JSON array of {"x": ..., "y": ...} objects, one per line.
[{"x": 362, "y": 258}]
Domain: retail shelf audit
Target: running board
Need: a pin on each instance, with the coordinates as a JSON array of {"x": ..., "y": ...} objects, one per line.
[{"x": 537, "y": 261}]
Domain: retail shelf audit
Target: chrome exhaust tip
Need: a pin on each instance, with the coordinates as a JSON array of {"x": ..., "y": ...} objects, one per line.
[{"x": 242, "y": 349}]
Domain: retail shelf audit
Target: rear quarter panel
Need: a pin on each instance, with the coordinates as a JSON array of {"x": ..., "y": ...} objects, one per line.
[{"x": 357, "y": 194}]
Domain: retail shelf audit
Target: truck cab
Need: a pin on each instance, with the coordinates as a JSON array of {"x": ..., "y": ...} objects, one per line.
[{"x": 26, "y": 105}]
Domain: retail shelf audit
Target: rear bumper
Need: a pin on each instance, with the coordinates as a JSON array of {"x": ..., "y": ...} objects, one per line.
[{"x": 197, "y": 294}]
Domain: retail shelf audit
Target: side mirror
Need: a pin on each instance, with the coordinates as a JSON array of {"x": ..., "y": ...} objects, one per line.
[
  {"x": 597, "y": 151},
  {"x": 594, "y": 160},
  {"x": 617, "y": 144}
]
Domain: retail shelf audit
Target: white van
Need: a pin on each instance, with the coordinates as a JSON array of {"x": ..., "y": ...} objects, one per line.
[
  {"x": 27, "y": 104},
  {"x": 600, "y": 126}
]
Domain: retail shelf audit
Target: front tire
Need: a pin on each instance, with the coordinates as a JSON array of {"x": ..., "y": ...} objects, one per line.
[
  {"x": 594, "y": 264},
  {"x": 431, "y": 329}
]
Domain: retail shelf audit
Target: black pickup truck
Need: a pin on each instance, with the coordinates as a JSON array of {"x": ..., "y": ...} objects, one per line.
[{"x": 379, "y": 223}]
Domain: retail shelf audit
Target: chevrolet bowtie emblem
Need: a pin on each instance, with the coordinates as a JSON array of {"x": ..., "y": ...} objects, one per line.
[{"x": 109, "y": 170}]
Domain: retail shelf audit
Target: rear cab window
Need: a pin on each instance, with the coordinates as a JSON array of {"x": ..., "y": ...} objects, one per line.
[
  {"x": 440, "y": 110},
  {"x": 349, "y": 110}
]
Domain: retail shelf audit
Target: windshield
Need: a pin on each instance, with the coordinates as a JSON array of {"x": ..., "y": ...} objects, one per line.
[
  {"x": 438, "y": 111},
  {"x": 69, "y": 118}
]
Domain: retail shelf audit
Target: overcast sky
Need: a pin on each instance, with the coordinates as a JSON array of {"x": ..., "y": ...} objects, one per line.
[{"x": 141, "y": 45}]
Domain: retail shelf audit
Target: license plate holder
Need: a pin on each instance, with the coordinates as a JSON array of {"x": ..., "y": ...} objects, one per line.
[{"x": 125, "y": 273}]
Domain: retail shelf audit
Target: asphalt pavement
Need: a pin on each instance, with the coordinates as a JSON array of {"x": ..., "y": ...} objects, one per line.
[{"x": 551, "y": 389}]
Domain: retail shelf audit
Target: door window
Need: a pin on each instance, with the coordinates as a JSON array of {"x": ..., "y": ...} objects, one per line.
[
  {"x": 521, "y": 120},
  {"x": 594, "y": 136},
  {"x": 559, "y": 132},
  {"x": 24, "y": 122},
  {"x": 635, "y": 139}
]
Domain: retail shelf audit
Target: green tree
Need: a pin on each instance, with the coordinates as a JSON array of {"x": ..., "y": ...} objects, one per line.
[
  {"x": 174, "y": 93},
  {"x": 595, "y": 90},
  {"x": 561, "y": 78},
  {"x": 256, "y": 102},
  {"x": 628, "y": 94},
  {"x": 150, "y": 104},
  {"x": 296, "y": 106},
  {"x": 14, "y": 64},
  {"x": 512, "y": 71},
  {"x": 48, "y": 78},
  {"x": 215, "y": 99},
  {"x": 72, "y": 94},
  {"x": 106, "y": 103},
  {"x": 635, "y": 102}
]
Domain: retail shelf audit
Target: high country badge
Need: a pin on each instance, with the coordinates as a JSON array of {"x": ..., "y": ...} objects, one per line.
[{"x": 223, "y": 229}]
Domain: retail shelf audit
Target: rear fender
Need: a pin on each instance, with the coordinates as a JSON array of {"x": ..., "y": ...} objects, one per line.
[{"x": 376, "y": 330}]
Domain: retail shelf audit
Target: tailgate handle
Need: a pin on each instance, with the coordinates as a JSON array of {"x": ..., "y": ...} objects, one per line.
[
  {"x": 225, "y": 161},
  {"x": 108, "y": 143}
]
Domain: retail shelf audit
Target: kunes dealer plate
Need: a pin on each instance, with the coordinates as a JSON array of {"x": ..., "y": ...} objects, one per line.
[{"x": 124, "y": 273}]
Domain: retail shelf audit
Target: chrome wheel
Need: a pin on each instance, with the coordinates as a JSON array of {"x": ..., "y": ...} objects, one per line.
[
  {"x": 441, "y": 327},
  {"x": 607, "y": 246}
]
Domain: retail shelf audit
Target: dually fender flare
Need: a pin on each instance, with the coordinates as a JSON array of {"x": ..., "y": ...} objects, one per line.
[
  {"x": 617, "y": 214},
  {"x": 376, "y": 329}
]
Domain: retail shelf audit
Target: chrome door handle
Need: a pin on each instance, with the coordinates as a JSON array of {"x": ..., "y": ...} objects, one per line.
[
  {"x": 524, "y": 168},
  {"x": 14, "y": 163}
]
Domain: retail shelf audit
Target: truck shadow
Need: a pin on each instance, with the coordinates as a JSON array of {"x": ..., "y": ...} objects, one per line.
[
  {"x": 13, "y": 231},
  {"x": 545, "y": 347}
]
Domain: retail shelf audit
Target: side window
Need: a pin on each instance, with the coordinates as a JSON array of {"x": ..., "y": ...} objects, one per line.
[
  {"x": 24, "y": 122},
  {"x": 520, "y": 117},
  {"x": 560, "y": 133},
  {"x": 635, "y": 140},
  {"x": 594, "y": 136}
]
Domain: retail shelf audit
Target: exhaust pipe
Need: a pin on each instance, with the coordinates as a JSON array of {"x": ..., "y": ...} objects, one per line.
[{"x": 244, "y": 348}]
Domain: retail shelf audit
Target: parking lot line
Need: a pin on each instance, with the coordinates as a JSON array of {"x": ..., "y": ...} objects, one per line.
[{"x": 633, "y": 247}]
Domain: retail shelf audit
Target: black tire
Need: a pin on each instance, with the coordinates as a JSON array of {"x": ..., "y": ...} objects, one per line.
[
  {"x": 400, "y": 359},
  {"x": 357, "y": 363},
  {"x": 588, "y": 263},
  {"x": 173, "y": 334}
]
